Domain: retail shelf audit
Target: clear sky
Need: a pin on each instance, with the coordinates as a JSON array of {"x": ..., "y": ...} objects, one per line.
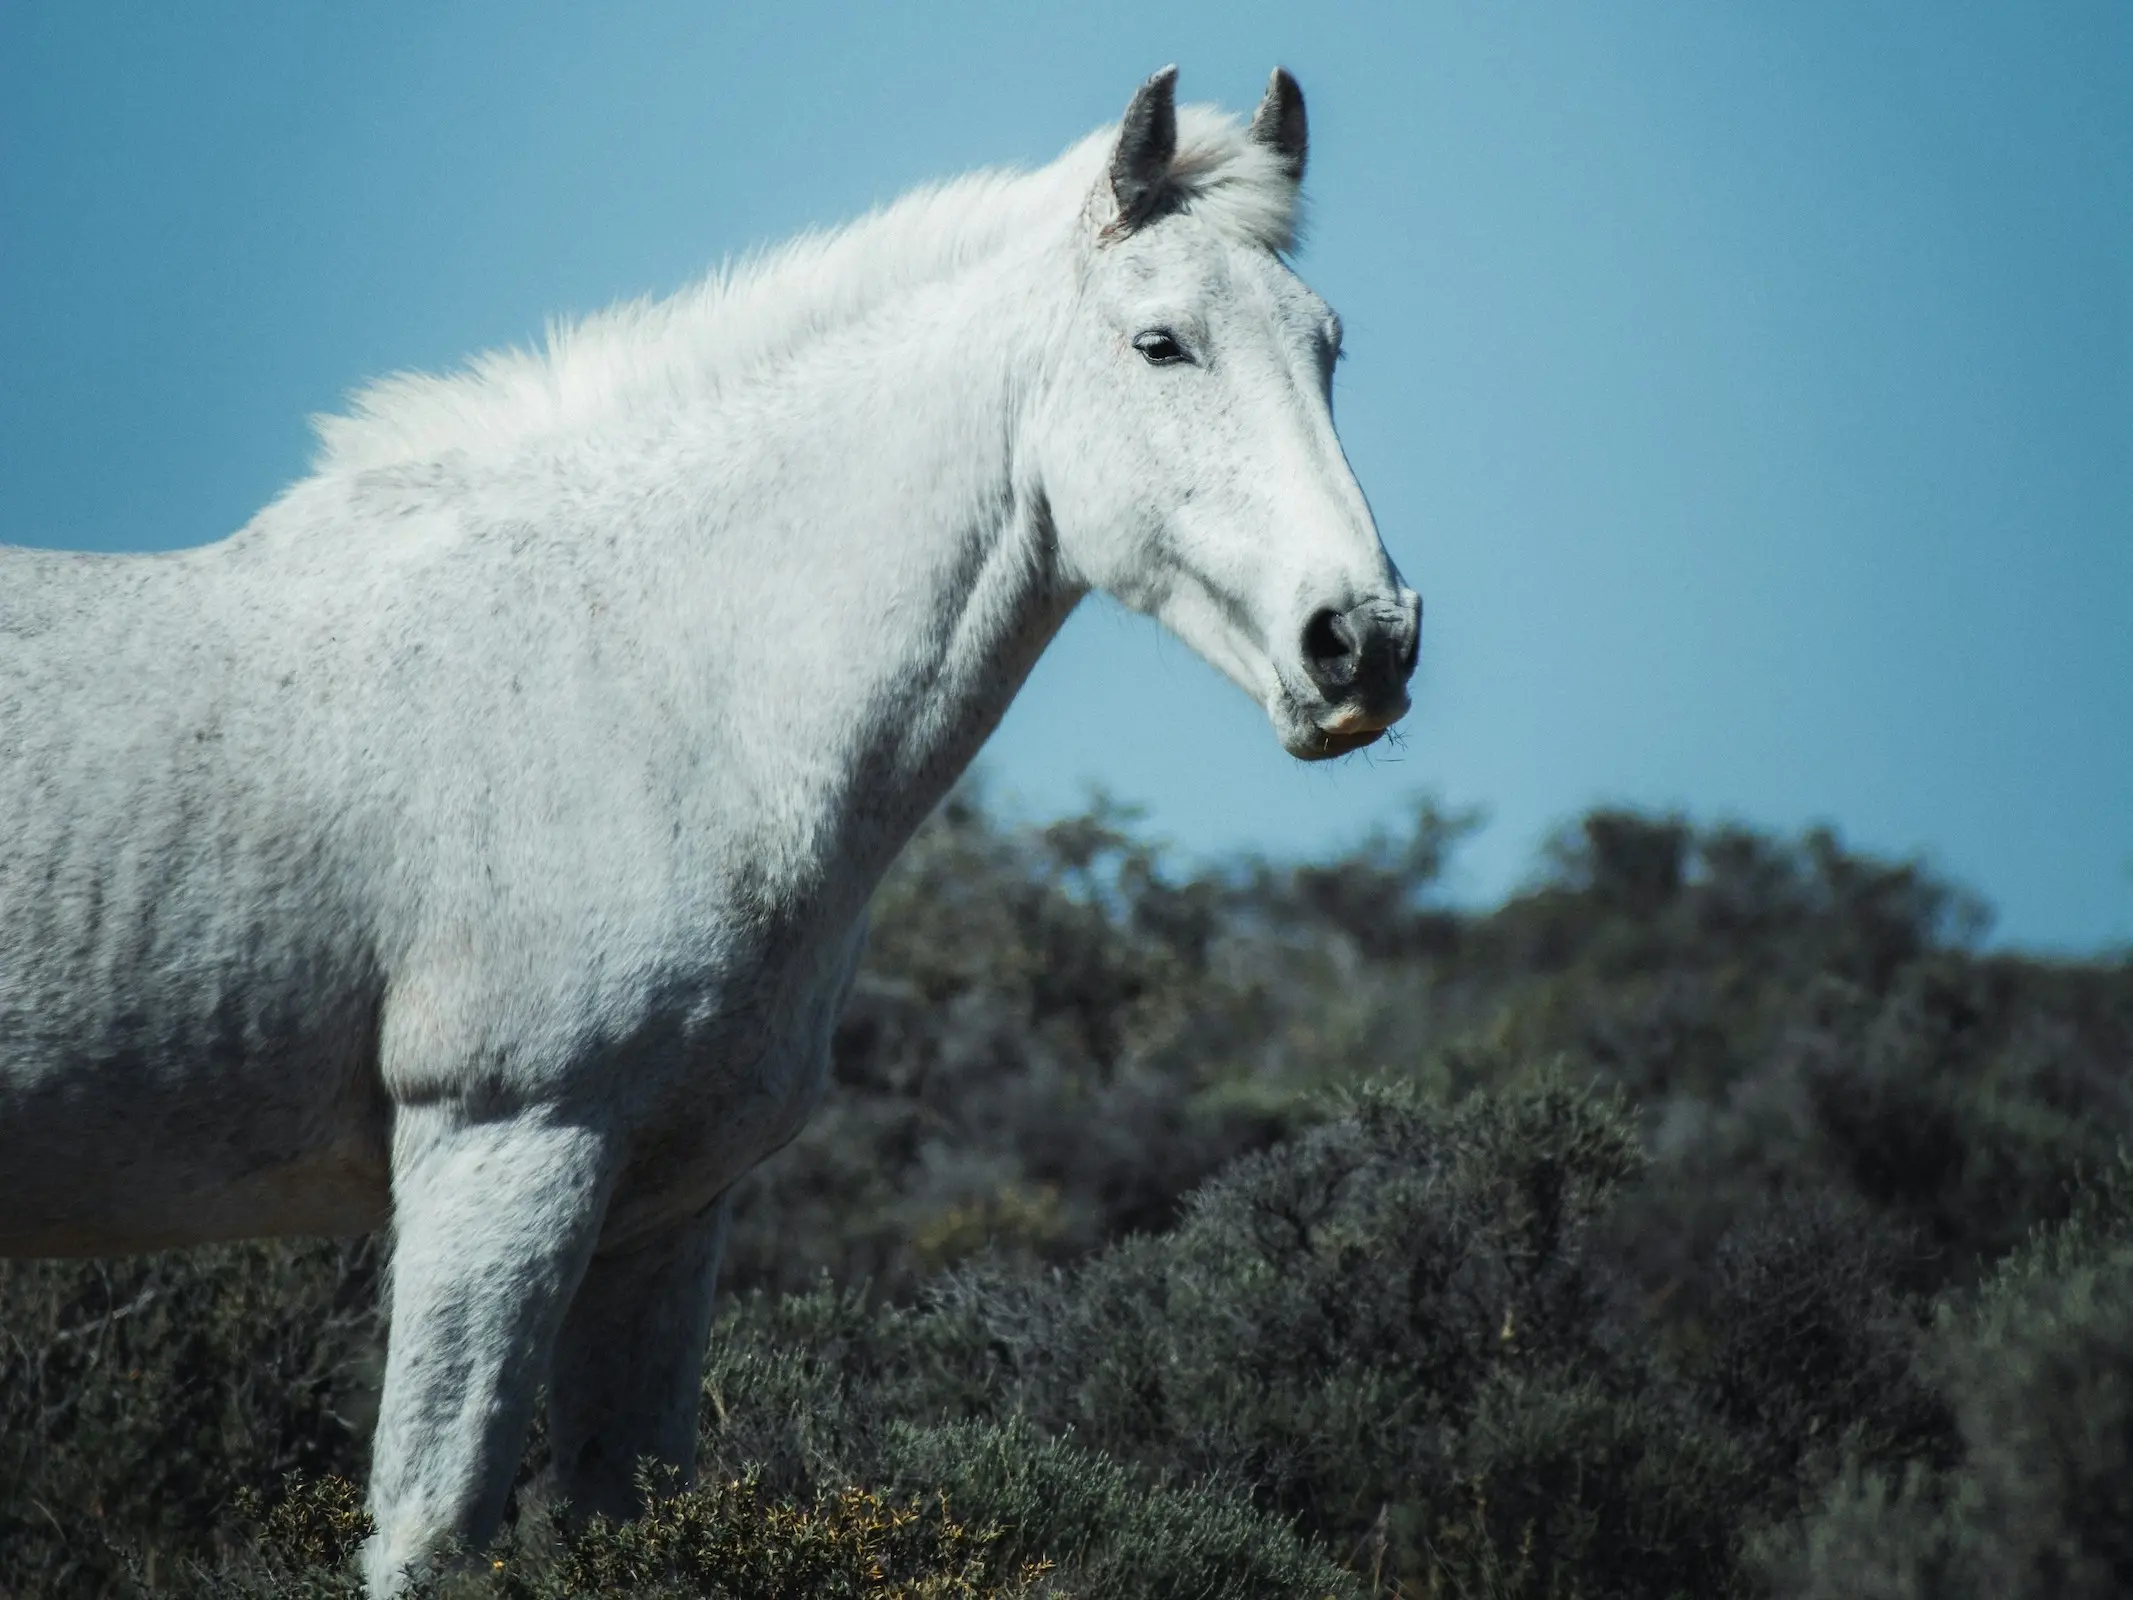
[{"x": 1749, "y": 390}]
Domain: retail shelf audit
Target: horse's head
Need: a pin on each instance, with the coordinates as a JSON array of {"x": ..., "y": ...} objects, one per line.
[{"x": 1187, "y": 440}]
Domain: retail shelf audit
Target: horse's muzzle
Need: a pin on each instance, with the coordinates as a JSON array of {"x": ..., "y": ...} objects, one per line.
[{"x": 1360, "y": 660}]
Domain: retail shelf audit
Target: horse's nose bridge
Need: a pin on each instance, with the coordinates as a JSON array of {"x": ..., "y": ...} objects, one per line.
[
  {"x": 1329, "y": 521},
  {"x": 1343, "y": 504},
  {"x": 1353, "y": 572},
  {"x": 1336, "y": 563}
]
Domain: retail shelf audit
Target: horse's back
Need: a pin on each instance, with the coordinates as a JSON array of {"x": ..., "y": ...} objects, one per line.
[{"x": 184, "y": 1000}]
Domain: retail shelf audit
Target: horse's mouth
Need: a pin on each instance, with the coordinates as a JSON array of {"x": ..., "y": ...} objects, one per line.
[
  {"x": 1339, "y": 744},
  {"x": 1326, "y": 744},
  {"x": 1348, "y": 729},
  {"x": 1322, "y": 743}
]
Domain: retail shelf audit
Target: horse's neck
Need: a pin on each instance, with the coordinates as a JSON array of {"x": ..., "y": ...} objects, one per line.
[{"x": 867, "y": 581}]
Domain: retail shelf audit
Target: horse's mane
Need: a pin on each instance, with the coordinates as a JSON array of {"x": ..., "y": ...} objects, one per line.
[{"x": 747, "y": 314}]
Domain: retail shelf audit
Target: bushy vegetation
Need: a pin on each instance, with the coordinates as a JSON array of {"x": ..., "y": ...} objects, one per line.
[{"x": 1712, "y": 1219}]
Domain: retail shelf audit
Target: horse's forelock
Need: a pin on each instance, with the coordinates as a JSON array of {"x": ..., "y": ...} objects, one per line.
[{"x": 1242, "y": 187}]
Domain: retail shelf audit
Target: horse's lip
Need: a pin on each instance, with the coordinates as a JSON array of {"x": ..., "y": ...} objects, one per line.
[
  {"x": 1340, "y": 742},
  {"x": 1354, "y": 719},
  {"x": 1338, "y": 730},
  {"x": 1327, "y": 743}
]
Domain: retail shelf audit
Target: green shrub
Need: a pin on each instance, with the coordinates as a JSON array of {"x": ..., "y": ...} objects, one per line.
[
  {"x": 2037, "y": 1368},
  {"x": 140, "y": 1397},
  {"x": 733, "y": 1541}
]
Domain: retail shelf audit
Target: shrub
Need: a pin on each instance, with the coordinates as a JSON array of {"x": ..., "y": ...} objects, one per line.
[
  {"x": 2037, "y": 1368},
  {"x": 1711, "y": 1218},
  {"x": 733, "y": 1541},
  {"x": 140, "y": 1397}
]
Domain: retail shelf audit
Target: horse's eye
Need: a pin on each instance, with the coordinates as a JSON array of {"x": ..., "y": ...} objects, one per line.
[{"x": 1160, "y": 348}]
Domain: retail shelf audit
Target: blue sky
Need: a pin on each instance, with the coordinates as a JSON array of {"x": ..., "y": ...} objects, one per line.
[{"x": 1748, "y": 390}]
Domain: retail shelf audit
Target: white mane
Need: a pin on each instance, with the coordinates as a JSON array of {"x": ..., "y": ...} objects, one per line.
[{"x": 748, "y": 314}]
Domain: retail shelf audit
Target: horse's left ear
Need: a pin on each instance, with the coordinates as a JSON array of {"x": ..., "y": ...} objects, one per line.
[
  {"x": 1147, "y": 140},
  {"x": 1279, "y": 123}
]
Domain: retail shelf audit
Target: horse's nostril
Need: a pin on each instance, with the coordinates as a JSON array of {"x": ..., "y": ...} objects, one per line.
[{"x": 1331, "y": 650}]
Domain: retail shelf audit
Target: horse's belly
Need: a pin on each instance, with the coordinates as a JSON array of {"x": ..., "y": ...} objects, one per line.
[
  {"x": 110, "y": 1144},
  {"x": 89, "y": 1174},
  {"x": 332, "y": 1192}
]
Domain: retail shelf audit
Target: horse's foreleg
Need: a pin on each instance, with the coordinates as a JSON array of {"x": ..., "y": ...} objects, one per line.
[
  {"x": 629, "y": 1365},
  {"x": 493, "y": 1222}
]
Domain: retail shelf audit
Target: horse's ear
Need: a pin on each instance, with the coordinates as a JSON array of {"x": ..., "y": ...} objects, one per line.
[
  {"x": 1279, "y": 123},
  {"x": 1147, "y": 139}
]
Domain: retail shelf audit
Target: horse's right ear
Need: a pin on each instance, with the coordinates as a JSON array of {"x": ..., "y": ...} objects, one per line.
[
  {"x": 1147, "y": 140},
  {"x": 1280, "y": 125}
]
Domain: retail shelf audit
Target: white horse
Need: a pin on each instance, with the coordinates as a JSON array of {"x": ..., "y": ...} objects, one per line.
[{"x": 479, "y": 841}]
